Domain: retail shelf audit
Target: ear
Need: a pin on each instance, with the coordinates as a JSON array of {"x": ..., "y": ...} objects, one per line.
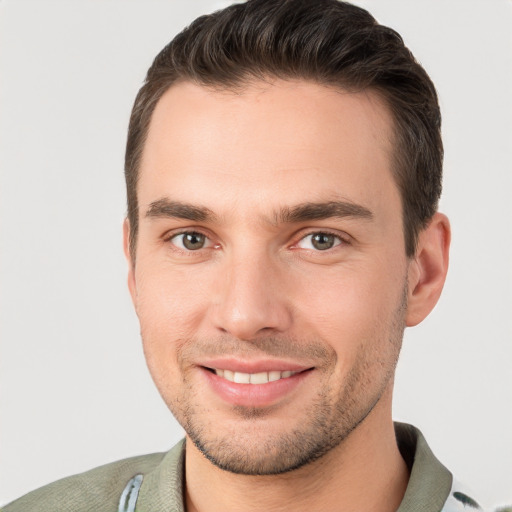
[
  {"x": 131, "y": 264},
  {"x": 427, "y": 271}
]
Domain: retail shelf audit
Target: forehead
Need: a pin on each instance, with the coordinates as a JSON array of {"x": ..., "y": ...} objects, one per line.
[{"x": 281, "y": 142}]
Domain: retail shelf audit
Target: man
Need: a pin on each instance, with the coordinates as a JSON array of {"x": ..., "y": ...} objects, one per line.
[{"x": 283, "y": 171}]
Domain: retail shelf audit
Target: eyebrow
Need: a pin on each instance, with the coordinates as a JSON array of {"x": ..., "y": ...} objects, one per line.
[
  {"x": 165, "y": 208},
  {"x": 318, "y": 211}
]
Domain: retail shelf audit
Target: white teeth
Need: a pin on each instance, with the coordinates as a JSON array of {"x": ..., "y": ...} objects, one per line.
[
  {"x": 272, "y": 376},
  {"x": 254, "y": 378},
  {"x": 259, "y": 378},
  {"x": 242, "y": 378}
]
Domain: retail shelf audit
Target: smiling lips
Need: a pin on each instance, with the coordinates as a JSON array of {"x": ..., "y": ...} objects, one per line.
[
  {"x": 253, "y": 378},
  {"x": 260, "y": 385}
]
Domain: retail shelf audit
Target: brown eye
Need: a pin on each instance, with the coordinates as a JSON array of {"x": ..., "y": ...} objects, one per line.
[
  {"x": 190, "y": 241},
  {"x": 323, "y": 241},
  {"x": 319, "y": 241}
]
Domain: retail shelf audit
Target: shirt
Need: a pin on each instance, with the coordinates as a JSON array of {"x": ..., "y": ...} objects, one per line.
[{"x": 155, "y": 483}]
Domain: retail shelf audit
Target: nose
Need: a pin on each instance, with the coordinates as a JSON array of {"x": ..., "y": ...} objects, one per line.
[{"x": 251, "y": 298}]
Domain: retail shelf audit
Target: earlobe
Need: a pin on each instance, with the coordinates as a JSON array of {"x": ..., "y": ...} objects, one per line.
[
  {"x": 427, "y": 271},
  {"x": 128, "y": 256}
]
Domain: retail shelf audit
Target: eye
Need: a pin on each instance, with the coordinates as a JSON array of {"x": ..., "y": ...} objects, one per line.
[
  {"x": 319, "y": 241},
  {"x": 190, "y": 241}
]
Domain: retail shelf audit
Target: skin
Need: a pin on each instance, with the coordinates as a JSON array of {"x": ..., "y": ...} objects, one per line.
[{"x": 259, "y": 289}]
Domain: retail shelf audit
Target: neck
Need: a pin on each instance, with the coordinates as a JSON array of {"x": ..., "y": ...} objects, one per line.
[{"x": 365, "y": 472}]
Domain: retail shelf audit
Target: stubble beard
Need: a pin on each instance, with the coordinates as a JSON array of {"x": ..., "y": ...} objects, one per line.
[{"x": 253, "y": 449}]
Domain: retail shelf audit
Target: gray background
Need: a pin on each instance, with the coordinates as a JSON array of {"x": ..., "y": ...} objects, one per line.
[{"x": 75, "y": 392}]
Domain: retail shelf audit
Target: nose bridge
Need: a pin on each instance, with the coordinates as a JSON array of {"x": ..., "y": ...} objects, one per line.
[{"x": 251, "y": 295}]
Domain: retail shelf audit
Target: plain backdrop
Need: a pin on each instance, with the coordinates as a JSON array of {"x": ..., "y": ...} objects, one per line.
[{"x": 75, "y": 392}]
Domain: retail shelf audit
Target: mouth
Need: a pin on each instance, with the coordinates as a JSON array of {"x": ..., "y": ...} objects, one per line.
[
  {"x": 253, "y": 378},
  {"x": 257, "y": 388}
]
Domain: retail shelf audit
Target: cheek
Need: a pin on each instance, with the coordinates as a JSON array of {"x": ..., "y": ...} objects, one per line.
[
  {"x": 169, "y": 307},
  {"x": 352, "y": 307},
  {"x": 169, "y": 304}
]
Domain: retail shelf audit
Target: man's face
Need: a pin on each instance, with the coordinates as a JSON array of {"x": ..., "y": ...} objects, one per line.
[{"x": 270, "y": 243}]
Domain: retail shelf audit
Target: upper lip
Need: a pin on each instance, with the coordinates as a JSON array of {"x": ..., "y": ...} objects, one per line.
[{"x": 256, "y": 366}]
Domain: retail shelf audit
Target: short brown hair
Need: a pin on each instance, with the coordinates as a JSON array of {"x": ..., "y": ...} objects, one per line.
[{"x": 326, "y": 41}]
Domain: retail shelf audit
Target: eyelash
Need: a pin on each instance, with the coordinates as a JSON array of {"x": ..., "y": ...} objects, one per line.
[
  {"x": 187, "y": 252},
  {"x": 340, "y": 239}
]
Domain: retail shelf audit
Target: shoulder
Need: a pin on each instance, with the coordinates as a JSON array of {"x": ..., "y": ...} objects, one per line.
[{"x": 98, "y": 489}]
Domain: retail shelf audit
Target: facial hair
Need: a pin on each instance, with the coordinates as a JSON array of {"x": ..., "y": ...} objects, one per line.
[{"x": 251, "y": 446}]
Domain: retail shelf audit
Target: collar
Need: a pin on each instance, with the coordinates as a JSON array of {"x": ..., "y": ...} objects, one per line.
[
  {"x": 429, "y": 484},
  {"x": 429, "y": 481}
]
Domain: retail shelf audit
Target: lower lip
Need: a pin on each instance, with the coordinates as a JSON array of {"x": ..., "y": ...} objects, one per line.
[{"x": 254, "y": 395}]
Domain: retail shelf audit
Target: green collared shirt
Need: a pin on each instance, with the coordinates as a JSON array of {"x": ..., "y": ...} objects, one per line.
[{"x": 155, "y": 483}]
